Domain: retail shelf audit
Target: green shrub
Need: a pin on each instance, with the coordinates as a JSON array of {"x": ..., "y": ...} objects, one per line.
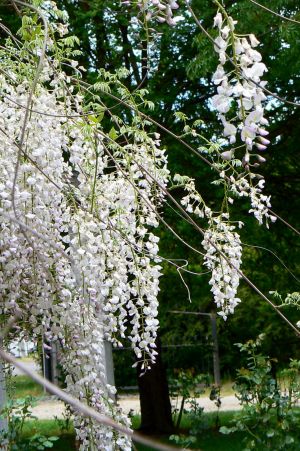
[{"x": 269, "y": 415}]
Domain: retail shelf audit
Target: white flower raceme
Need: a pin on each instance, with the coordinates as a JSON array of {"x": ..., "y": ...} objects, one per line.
[
  {"x": 160, "y": 10},
  {"x": 260, "y": 203},
  {"x": 240, "y": 96},
  {"x": 37, "y": 280},
  {"x": 221, "y": 241},
  {"x": 223, "y": 251},
  {"x": 78, "y": 256}
]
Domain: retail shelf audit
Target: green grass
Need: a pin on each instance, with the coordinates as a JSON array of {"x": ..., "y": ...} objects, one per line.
[
  {"x": 25, "y": 386},
  {"x": 50, "y": 428},
  {"x": 210, "y": 439}
]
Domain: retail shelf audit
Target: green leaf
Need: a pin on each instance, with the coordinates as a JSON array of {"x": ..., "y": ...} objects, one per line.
[
  {"x": 226, "y": 430},
  {"x": 113, "y": 134},
  {"x": 270, "y": 433},
  {"x": 93, "y": 118},
  {"x": 100, "y": 116},
  {"x": 289, "y": 440}
]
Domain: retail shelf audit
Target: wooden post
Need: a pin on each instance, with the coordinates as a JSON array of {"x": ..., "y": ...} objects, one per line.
[
  {"x": 50, "y": 363},
  {"x": 109, "y": 364},
  {"x": 3, "y": 420},
  {"x": 54, "y": 363},
  {"x": 216, "y": 357},
  {"x": 46, "y": 365}
]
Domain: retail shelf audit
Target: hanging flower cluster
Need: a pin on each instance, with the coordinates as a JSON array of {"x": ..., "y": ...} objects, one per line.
[
  {"x": 223, "y": 250},
  {"x": 37, "y": 278},
  {"x": 221, "y": 241},
  {"x": 78, "y": 259},
  {"x": 110, "y": 233},
  {"x": 260, "y": 203},
  {"x": 160, "y": 10},
  {"x": 240, "y": 96}
]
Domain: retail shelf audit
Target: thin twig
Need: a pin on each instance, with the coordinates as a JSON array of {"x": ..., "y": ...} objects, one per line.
[
  {"x": 199, "y": 229},
  {"x": 289, "y": 19}
]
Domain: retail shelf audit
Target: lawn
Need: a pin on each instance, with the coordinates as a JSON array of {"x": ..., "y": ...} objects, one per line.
[
  {"x": 25, "y": 386},
  {"x": 211, "y": 439},
  {"x": 50, "y": 428}
]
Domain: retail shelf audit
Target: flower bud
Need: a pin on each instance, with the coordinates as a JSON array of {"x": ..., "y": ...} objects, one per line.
[
  {"x": 174, "y": 5},
  {"x": 260, "y": 159},
  {"x": 218, "y": 20},
  {"x": 227, "y": 155},
  {"x": 249, "y": 143},
  {"x": 262, "y": 132},
  {"x": 264, "y": 121},
  {"x": 260, "y": 146},
  {"x": 253, "y": 40},
  {"x": 264, "y": 141}
]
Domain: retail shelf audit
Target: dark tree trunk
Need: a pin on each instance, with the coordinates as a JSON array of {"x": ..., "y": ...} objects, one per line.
[{"x": 156, "y": 415}]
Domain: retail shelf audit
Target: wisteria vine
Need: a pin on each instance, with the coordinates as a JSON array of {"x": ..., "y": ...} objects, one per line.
[{"x": 79, "y": 203}]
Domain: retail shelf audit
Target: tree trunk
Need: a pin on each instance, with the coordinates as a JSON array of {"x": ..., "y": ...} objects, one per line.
[{"x": 156, "y": 415}]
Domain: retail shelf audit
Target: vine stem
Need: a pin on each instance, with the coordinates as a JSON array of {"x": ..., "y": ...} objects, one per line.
[
  {"x": 83, "y": 408},
  {"x": 154, "y": 122}
]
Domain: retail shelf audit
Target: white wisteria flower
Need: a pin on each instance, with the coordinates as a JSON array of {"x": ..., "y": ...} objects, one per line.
[{"x": 240, "y": 97}]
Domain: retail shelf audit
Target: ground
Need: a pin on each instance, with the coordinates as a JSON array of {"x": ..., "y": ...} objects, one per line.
[{"x": 49, "y": 406}]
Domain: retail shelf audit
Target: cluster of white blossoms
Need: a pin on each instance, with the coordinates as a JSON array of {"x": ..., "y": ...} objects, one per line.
[
  {"x": 114, "y": 247},
  {"x": 223, "y": 257},
  {"x": 223, "y": 250},
  {"x": 78, "y": 257},
  {"x": 240, "y": 96},
  {"x": 260, "y": 203},
  {"x": 160, "y": 10},
  {"x": 37, "y": 270}
]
